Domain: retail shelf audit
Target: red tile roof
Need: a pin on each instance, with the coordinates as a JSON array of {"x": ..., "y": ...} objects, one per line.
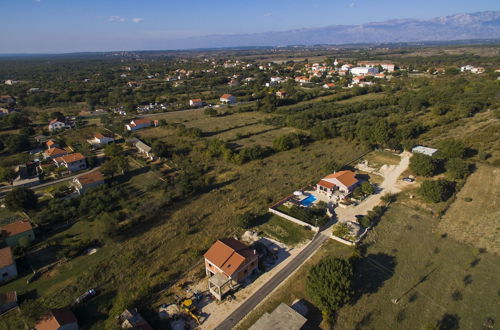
[
  {"x": 6, "y": 257},
  {"x": 229, "y": 255},
  {"x": 89, "y": 178},
  {"x": 196, "y": 100},
  {"x": 140, "y": 121},
  {"x": 56, "y": 319},
  {"x": 326, "y": 184},
  {"x": 347, "y": 178},
  {"x": 8, "y": 297},
  {"x": 226, "y": 96},
  {"x": 50, "y": 143},
  {"x": 54, "y": 152},
  {"x": 71, "y": 158},
  {"x": 15, "y": 228},
  {"x": 99, "y": 136}
]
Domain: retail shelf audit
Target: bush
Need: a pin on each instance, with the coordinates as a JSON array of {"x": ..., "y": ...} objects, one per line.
[
  {"x": 367, "y": 188},
  {"x": 451, "y": 148},
  {"x": 457, "y": 168},
  {"x": 365, "y": 221},
  {"x": 436, "y": 191},
  {"x": 245, "y": 220},
  {"x": 332, "y": 166},
  {"x": 329, "y": 283},
  {"x": 423, "y": 165}
]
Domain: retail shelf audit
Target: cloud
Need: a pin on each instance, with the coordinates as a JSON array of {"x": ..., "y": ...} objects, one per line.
[
  {"x": 137, "y": 19},
  {"x": 117, "y": 19},
  {"x": 352, "y": 4},
  {"x": 268, "y": 14},
  {"x": 37, "y": 0}
]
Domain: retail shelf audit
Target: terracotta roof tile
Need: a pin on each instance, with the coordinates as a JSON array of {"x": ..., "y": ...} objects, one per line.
[
  {"x": 15, "y": 228},
  {"x": 6, "y": 257},
  {"x": 347, "y": 178},
  {"x": 56, "y": 319},
  {"x": 71, "y": 158},
  {"x": 326, "y": 184},
  {"x": 229, "y": 255},
  {"x": 89, "y": 178}
]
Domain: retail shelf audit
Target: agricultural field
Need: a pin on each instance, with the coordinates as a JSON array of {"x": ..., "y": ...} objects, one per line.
[
  {"x": 406, "y": 258},
  {"x": 474, "y": 216}
]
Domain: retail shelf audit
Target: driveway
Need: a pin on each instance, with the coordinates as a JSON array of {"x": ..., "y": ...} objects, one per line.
[{"x": 390, "y": 185}]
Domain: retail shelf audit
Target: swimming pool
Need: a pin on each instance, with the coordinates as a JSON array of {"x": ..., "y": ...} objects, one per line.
[{"x": 308, "y": 201}]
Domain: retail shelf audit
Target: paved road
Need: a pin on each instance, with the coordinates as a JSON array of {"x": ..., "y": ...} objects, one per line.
[
  {"x": 9, "y": 188},
  {"x": 250, "y": 303}
]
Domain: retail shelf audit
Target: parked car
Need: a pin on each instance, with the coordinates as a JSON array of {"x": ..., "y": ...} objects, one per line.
[
  {"x": 86, "y": 296},
  {"x": 408, "y": 179}
]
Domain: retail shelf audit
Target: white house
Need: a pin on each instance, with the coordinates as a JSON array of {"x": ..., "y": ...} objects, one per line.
[
  {"x": 87, "y": 181},
  {"x": 388, "y": 66},
  {"x": 424, "y": 150},
  {"x": 74, "y": 162},
  {"x": 195, "y": 103},
  {"x": 137, "y": 124},
  {"x": 337, "y": 186},
  {"x": 8, "y": 268},
  {"x": 228, "y": 98},
  {"x": 100, "y": 139},
  {"x": 144, "y": 149},
  {"x": 361, "y": 70},
  {"x": 56, "y": 124}
]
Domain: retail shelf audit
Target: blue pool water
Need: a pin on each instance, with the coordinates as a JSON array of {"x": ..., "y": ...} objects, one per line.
[{"x": 308, "y": 201}]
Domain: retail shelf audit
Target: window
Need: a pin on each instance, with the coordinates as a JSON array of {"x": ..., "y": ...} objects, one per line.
[{"x": 5, "y": 274}]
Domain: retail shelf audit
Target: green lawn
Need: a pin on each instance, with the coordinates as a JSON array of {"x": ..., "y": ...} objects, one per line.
[{"x": 285, "y": 231}]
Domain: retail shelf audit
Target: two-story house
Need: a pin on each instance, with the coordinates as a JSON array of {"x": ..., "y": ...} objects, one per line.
[{"x": 73, "y": 162}]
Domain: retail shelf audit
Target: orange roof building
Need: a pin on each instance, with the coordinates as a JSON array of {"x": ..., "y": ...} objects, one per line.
[
  {"x": 13, "y": 232},
  {"x": 337, "y": 185},
  {"x": 88, "y": 180},
  {"x": 74, "y": 162},
  {"x": 58, "y": 319},
  {"x": 8, "y": 268},
  {"x": 231, "y": 258}
]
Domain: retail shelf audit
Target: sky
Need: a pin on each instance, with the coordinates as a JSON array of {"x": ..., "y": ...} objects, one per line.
[{"x": 58, "y": 26}]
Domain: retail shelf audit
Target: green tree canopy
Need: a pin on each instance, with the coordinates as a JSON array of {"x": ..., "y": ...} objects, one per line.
[
  {"x": 436, "y": 191},
  {"x": 21, "y": 199},
  {"x": 451, "y": 148},
  {"x": 7, "y": 174},
  {"x": 367, "y": 188},
  {"x": 329, "y": 283},
  {"x": 457, "y": 168},
  {"x": 423, "y": 165}
]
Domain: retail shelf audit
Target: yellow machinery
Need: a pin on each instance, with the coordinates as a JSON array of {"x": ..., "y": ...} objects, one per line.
[{"x": 189, "y": 308}]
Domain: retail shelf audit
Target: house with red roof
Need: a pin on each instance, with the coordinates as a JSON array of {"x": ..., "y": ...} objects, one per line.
[
  {"x": 100, "y": 139},
  {"x": 195, "y": 103},
  {"x": 329, "y": 85},
  {"x": 227, "y": 263},
  {"x": 56, "y": 124},
  {"x": 51, "y": 144},
  {"x": 338, "y": 185},
  {"x": 228, "y": 99},
  {"x": 58, "y": 319},
  {"x": 137, "y": 124},
  {"x": 54, "y": 152},
  {"x": 13, "y": 232},
  {"x": 87, "y": 181},
  {"x": 73, "y": 162},
  {"x": 8, "y": 268}
]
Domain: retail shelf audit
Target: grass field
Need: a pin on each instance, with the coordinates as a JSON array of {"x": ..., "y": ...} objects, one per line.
[
  {"x": 406, "y": 258},
  {"x": 284, "y": 231},
  {"x": 474, "y": 217}
]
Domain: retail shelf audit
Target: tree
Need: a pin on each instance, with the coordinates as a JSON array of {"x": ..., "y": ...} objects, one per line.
[
  {"x": 329, "y": 283},
  {"x": 457, "y": 168},
  {"x": 436, "y": 191},
  {"x": 451, "y": 148},
  {"x": 21, "y": 199},
  {"x": 367, "y": 188},
  {"x": 423, "y": 165},
  {"x": 7, "y": 174},
  {"x": 32, "y": 310},
  {"x": 56, "y": 115},
  {"x": 17, "y": 143},
  {"x": 113, "y": 150},
  {"x": 245, "y": 220}
]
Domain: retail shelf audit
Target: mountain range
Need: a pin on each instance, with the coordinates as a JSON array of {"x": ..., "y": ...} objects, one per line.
[{"x": 480, "y": 25}]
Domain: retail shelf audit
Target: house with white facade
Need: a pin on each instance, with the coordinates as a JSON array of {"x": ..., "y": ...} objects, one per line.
[
  {"x": 56, "y": 124},
  {"x": 143, "y": 148},
  {"x": 228, "y": 99},
  {"x": 337, "y": 186},
  {"x": 8, "y": 268},
  {"x": 195, "y": 103},
  {"x": 361, "y": 70},
  {"x": 99, "y": 140},
  {"x": 137, "y": 124},
  {"x": 73, "y": 162},
  {"x": 87, "y": 181}
]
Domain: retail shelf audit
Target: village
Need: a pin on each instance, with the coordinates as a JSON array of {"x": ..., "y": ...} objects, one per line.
[{"x": 82, "y": 186}]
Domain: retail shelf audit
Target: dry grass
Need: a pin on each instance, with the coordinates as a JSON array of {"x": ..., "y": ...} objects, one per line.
[{"x": 476, "y": 222}]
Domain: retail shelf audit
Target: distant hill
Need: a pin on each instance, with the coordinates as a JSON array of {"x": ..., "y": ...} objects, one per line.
[{"x": 481, "y": 25}]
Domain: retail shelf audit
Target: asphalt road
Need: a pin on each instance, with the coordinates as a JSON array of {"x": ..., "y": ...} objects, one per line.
[{"x": 251, "y": 302}]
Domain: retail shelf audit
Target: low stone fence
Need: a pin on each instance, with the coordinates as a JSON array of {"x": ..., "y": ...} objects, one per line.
[
  {"x": 292, "y": 219},
  {"x": 349, "y": 243}
]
